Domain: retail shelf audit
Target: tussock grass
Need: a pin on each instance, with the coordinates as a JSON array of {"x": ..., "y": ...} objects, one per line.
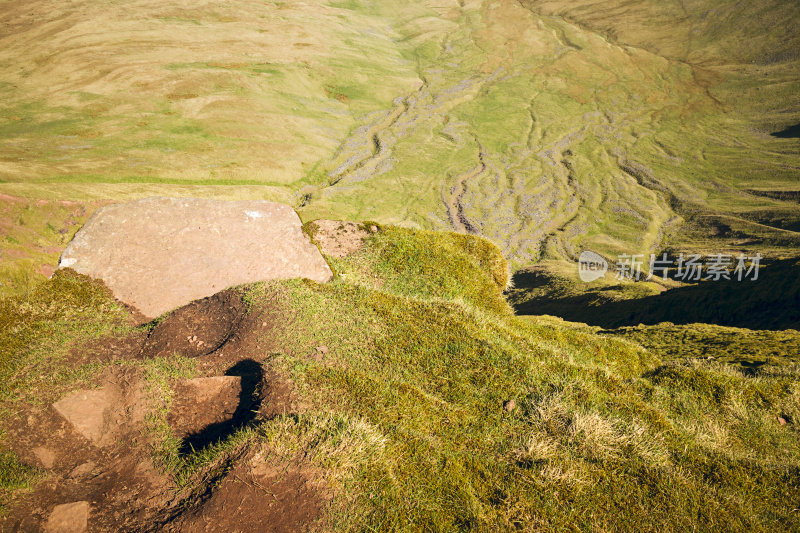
[
  {"x": 405, "y": 416},
  {"x": 604, "y": 435}
]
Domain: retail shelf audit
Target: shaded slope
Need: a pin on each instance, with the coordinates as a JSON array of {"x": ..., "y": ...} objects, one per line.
[{"x": 772, "y": 302}]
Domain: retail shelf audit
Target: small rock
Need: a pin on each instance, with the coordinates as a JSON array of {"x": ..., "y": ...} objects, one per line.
[
  {"x": 204, "y": 389},
  {"x": 82, "y": 470},
  {"x": 47, "y": 271},
  {"x": 45, "y": 456},
  {"x": 263, "y": 324},
  {"x": 68, "y": 518},
  {"x": 202, "y": 402},
  {"x": 86, "y": 411},
  {"x": 373, "y": 229},
  {"x": 510, "y": 405}
]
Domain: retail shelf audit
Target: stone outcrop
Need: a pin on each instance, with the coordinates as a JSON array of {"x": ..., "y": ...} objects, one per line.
[{"x": 157, "y": 254}]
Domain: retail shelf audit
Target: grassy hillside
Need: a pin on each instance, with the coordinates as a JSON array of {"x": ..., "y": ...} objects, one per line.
[
  {"x": 490, "y": 141},
  {"x": 404, "y": 416},
  {"x": 546, "y": 127}
]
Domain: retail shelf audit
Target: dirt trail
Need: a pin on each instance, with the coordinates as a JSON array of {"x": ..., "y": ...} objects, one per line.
[{"x": 96, "y": 449}]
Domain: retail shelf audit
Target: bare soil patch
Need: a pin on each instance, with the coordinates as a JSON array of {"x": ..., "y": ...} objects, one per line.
[
  {"x": 86, "y": 459},
  {"x": 339, "y": 239},
  {"x": 200, "y": 328},
  {"x": 96, "y": 456},
  {"x": 256, "y": 496}
]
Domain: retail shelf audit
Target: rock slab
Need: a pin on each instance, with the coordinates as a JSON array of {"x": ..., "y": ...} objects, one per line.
[
  {"x": 158, "y": 254},
  {"x": 68, "y": 518},
  {"x": 201, "y": 402},
  {"x": 87, "y": 411}
]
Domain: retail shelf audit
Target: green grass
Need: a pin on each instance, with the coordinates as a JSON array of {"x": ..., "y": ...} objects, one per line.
[
  {"x": 409, "y": 263},
  {"x": 159, "y": 376},
  {"x": 558, "y": 99},
  {"x": 38, "y": 329},
  {"x": 751, "y": 348},
  {"x": 559, "y": 111},
  {"x": 621, "y": 128},
  {"x": 404, "y": 416},
  {"x": 604, "y": 437},
  {"x": 14, "y": 476}
]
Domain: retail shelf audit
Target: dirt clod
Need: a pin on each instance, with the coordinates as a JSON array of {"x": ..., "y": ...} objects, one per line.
[
  {"x": 202, "y": 402},
  {"x": 196, "y": 329},
  {"x": 45, "y": 456},
  {"x": 338, "y": 239},
  {"x": 82, "y": 470},
  {"x": 87, "y": 411}
]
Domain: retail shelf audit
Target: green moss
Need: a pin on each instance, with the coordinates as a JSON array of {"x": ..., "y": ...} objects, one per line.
[{"x": 424, "y": 264}]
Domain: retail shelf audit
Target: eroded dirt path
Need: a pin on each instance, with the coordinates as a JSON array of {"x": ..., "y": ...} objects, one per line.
[{"x": 96, "y": 447}]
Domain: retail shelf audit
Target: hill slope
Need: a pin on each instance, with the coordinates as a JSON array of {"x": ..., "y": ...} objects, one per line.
[
  {"x": 385, "y": 398},
  {"x": 547, "y": 127}
]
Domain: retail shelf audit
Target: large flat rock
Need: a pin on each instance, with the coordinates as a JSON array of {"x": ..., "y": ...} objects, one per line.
[
  {"x": 201, "y": 402},
  {"x": 157, "y": 254}
]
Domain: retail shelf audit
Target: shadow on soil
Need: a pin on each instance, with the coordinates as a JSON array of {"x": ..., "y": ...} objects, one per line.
[{"x": 252, "y": 375}]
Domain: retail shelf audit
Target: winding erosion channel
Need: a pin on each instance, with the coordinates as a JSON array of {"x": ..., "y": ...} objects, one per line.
[{"x": 486, "y": 150}]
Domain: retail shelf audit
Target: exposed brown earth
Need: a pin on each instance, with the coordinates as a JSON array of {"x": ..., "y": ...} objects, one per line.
[
  {"x": 337, "y": 238},
  {"x": 96, "y": 456},
  {"x": 256, "y": 496}
]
